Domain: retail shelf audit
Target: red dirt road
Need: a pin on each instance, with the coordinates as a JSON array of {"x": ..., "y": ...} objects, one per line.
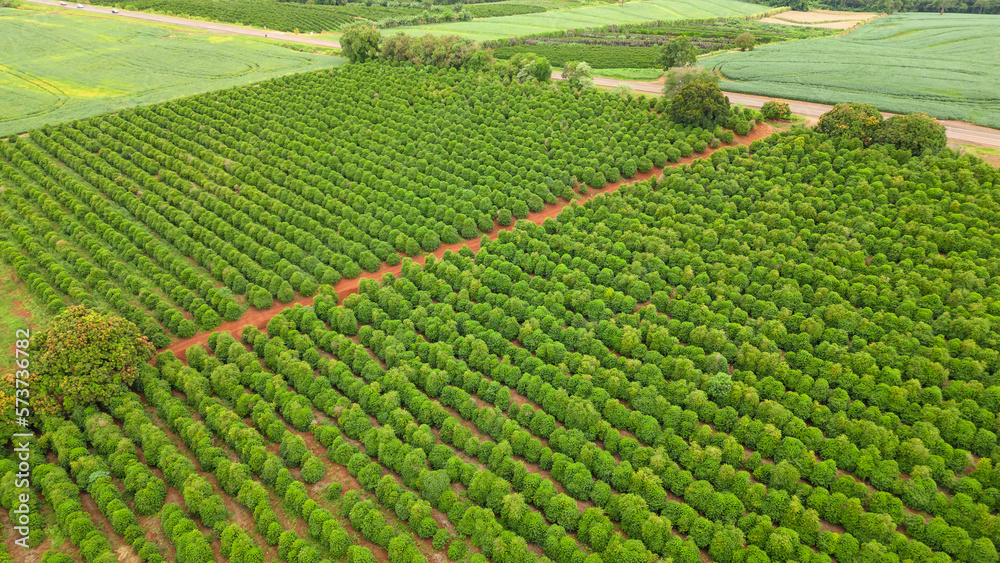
[{"x": 345, "y": 287}]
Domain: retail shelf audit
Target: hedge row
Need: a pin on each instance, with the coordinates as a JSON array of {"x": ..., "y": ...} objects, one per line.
[
  {"x": 71, "y": 448},
  {"x": 248, "y": 443}
]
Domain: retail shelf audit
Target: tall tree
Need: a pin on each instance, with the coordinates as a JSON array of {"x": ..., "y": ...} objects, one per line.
[
  {"x": 360, "y": 42},
  {"x": 86, "y": 356},
  {"x": 678, "y": 52}
]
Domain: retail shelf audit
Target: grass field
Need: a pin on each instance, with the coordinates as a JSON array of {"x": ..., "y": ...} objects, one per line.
[
  {"x": 529, "y": 24},
  {"x": 644, "y": 74},
  {"x": 57, "y": 67},
  {"x": 267, "y": 14},
  {"x": 941, "y": 65},
  {"x": 18, "y": 311}
]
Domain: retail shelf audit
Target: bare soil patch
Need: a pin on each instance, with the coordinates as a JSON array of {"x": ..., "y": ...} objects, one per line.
[
  {"x": 20, "y": 311},
  {"x": 121, "y": 548},
  {"x": 828, "y": 19}
]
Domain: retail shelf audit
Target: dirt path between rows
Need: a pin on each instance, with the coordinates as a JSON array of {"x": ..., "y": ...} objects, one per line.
[{"x": 345, "y": 287}]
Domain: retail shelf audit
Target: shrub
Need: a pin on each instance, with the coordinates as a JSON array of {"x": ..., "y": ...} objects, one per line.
[
  {"x": 629, "y": 168},
  {"x": 773, "y": 109},
  {"x": 149, "y": 499},
  {"x": 504, "y": 217},
  {"x": 598, "y": 181},
  {"x": 457, "y": 550},
  {"x": 313, "y": 470},
  {"x": 426, "y": 527},
  {"x": 122, "y": 519},
  {"x": 274, "y": 532},
  {"x": 292, "y": 449},
  {"x": 440, "y": 540},
  {"x": 338, "y": 542}
]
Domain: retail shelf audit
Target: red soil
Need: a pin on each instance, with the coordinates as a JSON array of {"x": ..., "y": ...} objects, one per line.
[
  {"x": 345, "y": 287},
  {"x": 119, "y": 546},
  {"x": 20, "y": 311}
]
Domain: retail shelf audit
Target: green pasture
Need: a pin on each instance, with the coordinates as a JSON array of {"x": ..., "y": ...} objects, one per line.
[
  {"x": 595, "y": 16},
  {"x": 640, "y": 74},
  {"x": 60, "y": 66},
  {"x": 943, "y": 65}
]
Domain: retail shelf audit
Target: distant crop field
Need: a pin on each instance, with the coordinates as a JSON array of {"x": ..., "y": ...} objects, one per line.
[
  {"x": 639, "y": 45},
  {"x": 598, "y": 56},
  {"x": 943, "y": 65},
  {"x": 268, "y": 14},
  {"x": 633, "y": 12},
  {"x": 58, "y": 67},
  {"x": 496, "y": 9}
]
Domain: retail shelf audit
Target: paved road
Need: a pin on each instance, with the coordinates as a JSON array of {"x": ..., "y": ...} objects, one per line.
[
  {"x": 958, "y": 131},
  {"x": 197, "y": 24}
]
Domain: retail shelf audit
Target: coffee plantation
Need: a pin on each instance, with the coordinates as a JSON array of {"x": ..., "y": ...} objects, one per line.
[
  {"x": 183, "y": 215},
  {"x": 784, "y": 350}
]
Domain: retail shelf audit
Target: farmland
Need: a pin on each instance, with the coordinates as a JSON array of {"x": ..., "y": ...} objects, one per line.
[
  {"x": 575, "y": 390},
  {"x": 268, "y": 14},
  {"x": 941, "y": 65},
  {"x": 597, "y": 56},
  {"x": 638, "y": 45},
  {"x": 59, "y": 67},
  {"x": 277, "y": 211},
  {"x": 498, "y": 9},
  {"x": 821, "y": 18},
  {"x": 429, "y": 307},
  {"x": 515, "y": 7},
  {"x": 596, "y": 16}
]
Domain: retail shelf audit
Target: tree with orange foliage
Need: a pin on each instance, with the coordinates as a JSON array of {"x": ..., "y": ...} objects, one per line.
[{"x": 85, "y": 357}]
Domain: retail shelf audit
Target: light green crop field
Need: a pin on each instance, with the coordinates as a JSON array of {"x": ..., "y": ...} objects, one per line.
[
  {"x": 632, "y": 12},
  {"x": 943, "y": 65},
  {"x": 60, "y": 66}
]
